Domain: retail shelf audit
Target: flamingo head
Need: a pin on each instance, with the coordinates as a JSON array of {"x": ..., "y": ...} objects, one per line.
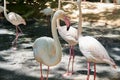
[{"x": 61, "y": 15}]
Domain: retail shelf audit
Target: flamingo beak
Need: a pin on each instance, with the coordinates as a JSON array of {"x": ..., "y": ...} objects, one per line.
[{"x": 67, "y": 22}]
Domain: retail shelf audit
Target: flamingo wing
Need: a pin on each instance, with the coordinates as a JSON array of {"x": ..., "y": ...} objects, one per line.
[
  {"x": 44, "y": 49},
  {"x": 93, "y": 50},
  {"x": 69, "y": 36},
  {"x": 16, "y": 19}
]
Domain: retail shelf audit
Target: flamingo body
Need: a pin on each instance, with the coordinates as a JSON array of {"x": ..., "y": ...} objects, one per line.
[
  {"x": 15, "y": 19},
  {"x": 69, "y": 36},
  {"x": 44, "y": 50},
  {"x": 94, "y": 51},
  {"x": 47, "y": 11}
]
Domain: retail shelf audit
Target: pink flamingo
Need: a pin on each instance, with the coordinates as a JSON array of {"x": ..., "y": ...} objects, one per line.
[
  {"x": 70, "y": 36},
  {"x": 91, "y": 48},
  {"x": 16, "y": 20},
  {"x": 47, "y": 50}
]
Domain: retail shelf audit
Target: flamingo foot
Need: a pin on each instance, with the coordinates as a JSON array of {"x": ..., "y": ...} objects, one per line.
[
  {"x": 14, "y": 48},
  {"x": 67, "y": 74},
  {"x": 14, "y": 44},
  {"x": 41, "y": 78}
]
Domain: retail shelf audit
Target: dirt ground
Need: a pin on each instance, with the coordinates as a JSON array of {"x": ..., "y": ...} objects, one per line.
[{"x": 20, "y": 64}]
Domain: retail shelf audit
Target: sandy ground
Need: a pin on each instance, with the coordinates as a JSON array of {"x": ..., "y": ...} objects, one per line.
[{"x": 20, "y": 64}]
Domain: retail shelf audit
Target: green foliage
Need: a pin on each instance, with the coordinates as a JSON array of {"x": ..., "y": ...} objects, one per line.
[{"x": 29, "y": 8}]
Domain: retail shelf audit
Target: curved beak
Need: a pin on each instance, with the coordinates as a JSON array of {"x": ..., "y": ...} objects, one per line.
[{"x": 67, "y": 22}]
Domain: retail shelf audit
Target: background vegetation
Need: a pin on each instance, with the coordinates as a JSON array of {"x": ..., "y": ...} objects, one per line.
[{"x": 32, "y": 8}]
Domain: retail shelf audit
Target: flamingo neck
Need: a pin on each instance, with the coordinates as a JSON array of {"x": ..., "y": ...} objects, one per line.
[
  {"x": 5, "y": 12},
  {"x": 56, "y": 40},
  {"x": 59, "y": 4},
  {"x": 80, "y": 20},
  {"x": 58, "y": 23}
]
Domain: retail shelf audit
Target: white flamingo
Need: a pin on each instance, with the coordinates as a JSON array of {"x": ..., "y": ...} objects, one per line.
[
  {"x": 14, "y": 19},
  {"x": 47, "y": 50},
  {"x": 70, "y": 36},
  {"x": 48, "y": 12},
  {"x": 91, "y": 48}
]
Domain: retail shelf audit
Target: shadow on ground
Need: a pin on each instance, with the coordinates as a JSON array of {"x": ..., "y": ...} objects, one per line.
[{"x": 12, "y": 75}]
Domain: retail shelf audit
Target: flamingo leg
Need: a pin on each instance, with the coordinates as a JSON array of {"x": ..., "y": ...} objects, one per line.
[
  {"x": 68, "y": 65},
  {"x": 68, "y": 72},
  {"x": 88, "y": 72},
  {"x": 73, "y": 54},
  {"x": 14, "y": 43},
  {"x": 94, "y": 71},
  {"x": 20, "y": 30},
  {"x": 41, "y": 72},
  {"x": 47, "y": 73},
  {"x": 48, "y": 20},
  {"x": 70, "y": 51}
]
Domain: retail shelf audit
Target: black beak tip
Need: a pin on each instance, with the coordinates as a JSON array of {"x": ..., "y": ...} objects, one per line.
[{"x": 68, "y": 28}]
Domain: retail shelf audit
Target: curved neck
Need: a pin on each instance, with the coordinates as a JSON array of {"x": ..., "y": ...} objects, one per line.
[
  {"x": 58, "y": 55},
  {"x": 5, "y": 12},
  {"x": 80, "y": 20},
  {"x": 59, "y": 4},
  {"x": 58, "y": 23}
]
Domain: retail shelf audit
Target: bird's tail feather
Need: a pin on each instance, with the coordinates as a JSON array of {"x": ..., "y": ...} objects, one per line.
[
  {"x": 114, "y": 66},
  {"x": 111, "y": 62}
]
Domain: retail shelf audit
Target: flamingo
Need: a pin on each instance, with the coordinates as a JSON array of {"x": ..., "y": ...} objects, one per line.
[
  {"x": 70, "y": 36},
  {"x": 16, "y": 20},
  {"x": 48, "y": 13},
  {"x": 47, "y": 50},
  {"x": 91, "y": 48}
]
